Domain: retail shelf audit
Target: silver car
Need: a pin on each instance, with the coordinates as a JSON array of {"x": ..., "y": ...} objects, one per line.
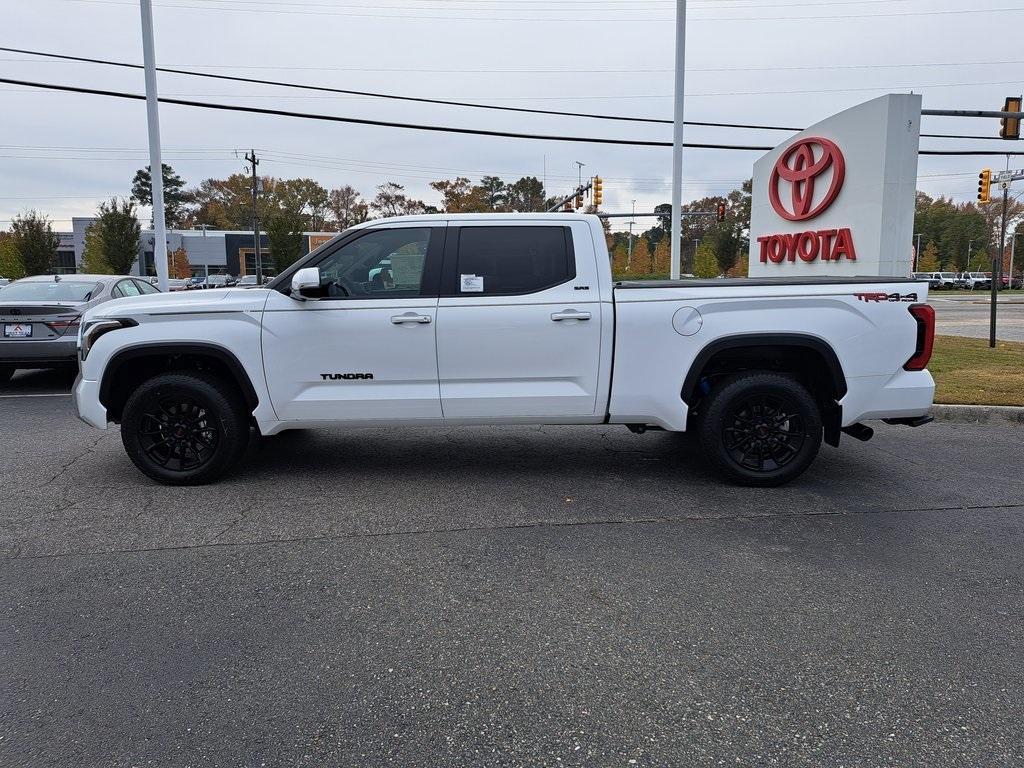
[{"x": 39, "y": 316}]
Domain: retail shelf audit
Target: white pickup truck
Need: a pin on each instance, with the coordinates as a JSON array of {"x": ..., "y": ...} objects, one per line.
[{"x": 505, "y": 319}]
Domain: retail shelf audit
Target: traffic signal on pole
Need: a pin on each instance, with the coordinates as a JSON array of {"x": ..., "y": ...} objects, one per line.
[
  {"x": 1009, "y": 127},
  {"x": 721, "y": 211},
  {"x": 568, "y": 206},
  {"x": 598, "y": 191},
  {"x": 579, "y": 200},
  {"x": 984, "y": 185}
]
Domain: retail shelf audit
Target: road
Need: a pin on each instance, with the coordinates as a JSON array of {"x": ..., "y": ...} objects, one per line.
[
  {"x": 508, "y": 596},
  {"x": 969, "y": 316}
]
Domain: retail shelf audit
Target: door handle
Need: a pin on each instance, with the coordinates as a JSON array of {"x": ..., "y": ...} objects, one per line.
[
  {"x": 410, "y": 317},
  {"x": 570, "y": 314}
]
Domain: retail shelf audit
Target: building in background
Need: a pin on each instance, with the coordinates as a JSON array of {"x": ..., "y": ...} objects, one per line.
[{"x": 210, "y": 251}]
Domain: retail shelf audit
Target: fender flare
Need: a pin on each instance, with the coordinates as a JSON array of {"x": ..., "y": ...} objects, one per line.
[
  {"x": 797, "y": 340},
  {"x": 206, "y": 349}
]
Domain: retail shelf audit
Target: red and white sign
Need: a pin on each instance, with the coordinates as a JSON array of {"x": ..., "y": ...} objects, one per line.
[{"x": 838, "y": 197}]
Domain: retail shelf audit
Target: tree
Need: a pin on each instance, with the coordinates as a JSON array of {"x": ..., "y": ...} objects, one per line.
[
  {"x": 176, "y": 198},
  {"x": 705, "y": 262},
  {"x": 347, "y": 208},
  {"x": 459, "y": 196},
  {"x": 35, "y": 242},
  {"x": 929, "y": 261},
  {"x": 284, "y": 231},
  {"x": 306, "y": 197},
  {"x": 178, "y": 265},
  {"x": 661, "y": 258},
  {"x": 391, "y": 200},
  {"x": 10, "y": 260},
  {"x": 94, "y": 262},
  {"x": 525, "y": 195},
  {"x": 493, "y": 193},
  {"x": 120, "y": 233}
]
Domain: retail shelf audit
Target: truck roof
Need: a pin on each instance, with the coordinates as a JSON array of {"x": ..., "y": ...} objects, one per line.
[{"x": 432, "y": 217}]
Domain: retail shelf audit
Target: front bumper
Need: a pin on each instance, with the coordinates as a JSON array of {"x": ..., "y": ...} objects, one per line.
[
  {"x": 87, "y": 403},
  {"x": 23, "y": 353}
]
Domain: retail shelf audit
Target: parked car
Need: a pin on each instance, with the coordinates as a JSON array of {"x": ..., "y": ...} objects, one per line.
[
  {"x": 194, "y": 283},
  {"x": 934, "y": 278},
  {"x": 39, "y": 316},
  {"x": 248, "y": 281},
  {"x": 4, "y": 281},
  {"x": 507, "y": 319},
  {"x": 220, "y": 281},
  {"x": 973, "y": 280}
]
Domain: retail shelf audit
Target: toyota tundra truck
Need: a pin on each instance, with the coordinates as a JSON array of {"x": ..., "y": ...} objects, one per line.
[{"x": 468, "y": 319}]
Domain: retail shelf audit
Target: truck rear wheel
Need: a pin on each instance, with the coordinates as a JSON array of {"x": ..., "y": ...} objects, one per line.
[
  {"x": 761, "y": 429},
  {"x": 184, "y": 428}
]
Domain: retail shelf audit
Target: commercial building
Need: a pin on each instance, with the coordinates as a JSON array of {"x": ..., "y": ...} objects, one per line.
[{"x": 210, "y": 252}]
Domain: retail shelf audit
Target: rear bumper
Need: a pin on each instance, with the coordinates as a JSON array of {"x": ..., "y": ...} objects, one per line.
[
  {"x": 39, "y": 354},
  {"x": 87, "y": 403},
  {"x": 906, "y": 394}
]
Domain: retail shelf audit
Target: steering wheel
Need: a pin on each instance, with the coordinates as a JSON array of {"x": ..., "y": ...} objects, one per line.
[{"x": 340, "y": 288}]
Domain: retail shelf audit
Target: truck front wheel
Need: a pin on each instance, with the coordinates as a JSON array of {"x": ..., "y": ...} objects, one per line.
[
  {"x": 761, "y": 429},
  {"x": 184, "y": 428}
]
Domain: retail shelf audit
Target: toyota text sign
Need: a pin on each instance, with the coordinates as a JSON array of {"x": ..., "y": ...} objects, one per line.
[{"x": 839, "y": 197}]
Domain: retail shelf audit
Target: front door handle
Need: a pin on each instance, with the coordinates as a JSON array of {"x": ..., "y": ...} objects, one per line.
[
  {"x": 410, "y": 317},
  {"x": 570, "y": 314}
]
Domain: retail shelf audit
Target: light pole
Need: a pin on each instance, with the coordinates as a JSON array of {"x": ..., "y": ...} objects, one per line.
[
  {"x": 156, "y": 166},
  {"x": 677, "y": 140},
  {"x": 629, "y": 242},
  {"x": 969, "y": 244},
  {"x": 917, "y": 252}
]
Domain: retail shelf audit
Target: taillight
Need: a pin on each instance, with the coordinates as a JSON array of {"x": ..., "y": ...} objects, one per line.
[
  {"x": 925, "y": 316},
  {"x": 64, "y": 324}
]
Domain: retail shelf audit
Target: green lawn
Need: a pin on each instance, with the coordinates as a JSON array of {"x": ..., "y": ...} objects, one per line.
[{"x": 967, "y": 372}]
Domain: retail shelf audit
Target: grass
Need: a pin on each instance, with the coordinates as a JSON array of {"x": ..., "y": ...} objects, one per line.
[{"x": 967, "y": 372}]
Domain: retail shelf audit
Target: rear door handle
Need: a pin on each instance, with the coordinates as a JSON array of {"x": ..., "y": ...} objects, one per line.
[
  {"x": 570, "y": 314},
  {"x": 410, "y": 317}
]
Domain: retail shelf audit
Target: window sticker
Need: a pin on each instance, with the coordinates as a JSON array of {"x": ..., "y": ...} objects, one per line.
[{"x": 471, "y": 283}]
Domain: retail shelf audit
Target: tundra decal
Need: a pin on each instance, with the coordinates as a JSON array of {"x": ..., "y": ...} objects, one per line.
[{"x": 345, "y": 376}]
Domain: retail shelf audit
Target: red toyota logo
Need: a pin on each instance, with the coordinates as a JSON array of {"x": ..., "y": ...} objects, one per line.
[{"x": 800, "y": 165}]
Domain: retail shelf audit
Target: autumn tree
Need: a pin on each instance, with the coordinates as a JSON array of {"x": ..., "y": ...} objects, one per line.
[
  {"x": 176, "y": 198},
  {"x": 391, "y": 200},
  {"x": 11, "y": 266},
  {"x": 347, "y": 208},
  {"x": 120, "y": 233},
  {"x": 35, "y": 242},
  {"x": 458, "y": 195},
  {"x": 929, "y": 261},
  {"x": 705, "y": 262},
  {"x": 525, "y": 195},
  {"x": 306, "y": 197},
  {"x": 178, "y": 265}
]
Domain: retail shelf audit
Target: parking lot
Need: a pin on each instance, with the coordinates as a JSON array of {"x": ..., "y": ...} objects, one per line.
[
  {"x": 969, "y": 316},
  {"x": 508, "y": 596}
]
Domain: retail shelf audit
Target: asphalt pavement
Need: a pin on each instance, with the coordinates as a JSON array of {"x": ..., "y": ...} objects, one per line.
[
  {"x": 525, "y": 596},
  {"x": 970, "y": 316}
]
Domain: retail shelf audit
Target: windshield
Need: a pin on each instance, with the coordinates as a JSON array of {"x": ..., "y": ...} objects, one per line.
[{"x": 65, "y": 290}]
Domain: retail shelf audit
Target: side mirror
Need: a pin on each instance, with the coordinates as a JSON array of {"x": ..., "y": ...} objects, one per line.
[{"x": 306, "y": 284}]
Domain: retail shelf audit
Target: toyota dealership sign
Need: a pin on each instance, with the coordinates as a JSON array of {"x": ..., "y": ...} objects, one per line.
[{"x": 838, "y": 198}]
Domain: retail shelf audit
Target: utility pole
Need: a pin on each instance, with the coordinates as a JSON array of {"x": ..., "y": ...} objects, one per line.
[
  {"x": 917, "y": 253},
  {"x": 156, "y": 166},
  {"x": 677, "y": 141},
  {"x": 251, "y": 158},
  {"x": 629, "y": 243},
  {"x": 579, "y": 172}
]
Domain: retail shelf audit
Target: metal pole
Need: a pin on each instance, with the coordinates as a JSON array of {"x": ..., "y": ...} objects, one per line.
[
  {"x": 997, "y": 266},
  {"x": 1013, "y": 250},
  {"x": 677, "y": 141},
  {"x": 917, "y": 253},
  {"x": 629, "y": 243},
  {"x": 257, "y": 261},
  {"x": 156, "y": 166}
]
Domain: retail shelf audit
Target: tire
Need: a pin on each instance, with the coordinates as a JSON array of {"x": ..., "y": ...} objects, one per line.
[
  {"x": 185, "y": 428},
  {"x": 6, "y": 372},
  {"x": 741, "y": 432}
]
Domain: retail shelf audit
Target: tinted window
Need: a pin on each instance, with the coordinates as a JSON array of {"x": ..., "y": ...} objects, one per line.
[
  {"x": 380, "y": 264},
  {"x": 513, "y": 260},
  {"x": 145, "y": 287}
]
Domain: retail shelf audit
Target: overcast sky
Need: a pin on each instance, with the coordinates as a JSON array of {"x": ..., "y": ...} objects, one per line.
[{"x": 780, "y": 62}]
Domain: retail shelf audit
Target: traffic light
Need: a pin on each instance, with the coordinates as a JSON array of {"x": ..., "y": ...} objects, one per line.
[
  {"x": 721, "y": 211},
  {"x": 984, "y": 185},
  {"x": 568, "y": 206},
  {"x": 1009, "y": 127},
  {"x": 598, "y": 190},
  {"x": 579, "y": 200}
]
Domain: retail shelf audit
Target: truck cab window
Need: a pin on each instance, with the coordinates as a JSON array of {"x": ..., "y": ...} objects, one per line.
[
  {"x": 513, "y": 260},
  {"x": 381, "y": 264}
]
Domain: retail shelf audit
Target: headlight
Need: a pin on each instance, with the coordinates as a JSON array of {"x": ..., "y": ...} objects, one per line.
[{"x": 91, "y": 330}]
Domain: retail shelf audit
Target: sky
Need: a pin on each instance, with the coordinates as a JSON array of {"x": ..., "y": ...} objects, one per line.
[{"x": 774, "y": 62}]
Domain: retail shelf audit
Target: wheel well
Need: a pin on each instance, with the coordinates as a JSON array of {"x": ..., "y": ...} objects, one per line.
[
  {"x": 128, "y": 369},
  {"x": 810, "y": 361}
]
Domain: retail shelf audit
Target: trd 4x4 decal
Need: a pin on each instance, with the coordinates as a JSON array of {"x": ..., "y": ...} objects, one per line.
[{"x": 878, "y": 297}]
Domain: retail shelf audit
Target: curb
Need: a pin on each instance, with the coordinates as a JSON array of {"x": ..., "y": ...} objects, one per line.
[{"x": 979, "y": 414}]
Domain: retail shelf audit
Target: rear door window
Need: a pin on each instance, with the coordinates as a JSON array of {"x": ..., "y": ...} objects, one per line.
[
  {"x": 506, "y": 260},
  {"x": 126, "y": 288}
]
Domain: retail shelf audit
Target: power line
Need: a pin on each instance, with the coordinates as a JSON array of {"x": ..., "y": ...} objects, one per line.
[
  {"x": 494, "y": 107},
  {"x": 434, "y": 128}
]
